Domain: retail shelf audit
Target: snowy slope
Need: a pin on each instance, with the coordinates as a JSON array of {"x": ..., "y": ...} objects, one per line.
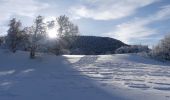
[
  {"x": 45, "y": 78},
  {"x": 134, "y": 77},
  {"x": 104, "y": 77}
]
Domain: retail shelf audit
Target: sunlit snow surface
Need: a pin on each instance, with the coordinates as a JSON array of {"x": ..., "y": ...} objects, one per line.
[
  {"x": 80, "y": 77},
  {"x": 129, "y": 72}
]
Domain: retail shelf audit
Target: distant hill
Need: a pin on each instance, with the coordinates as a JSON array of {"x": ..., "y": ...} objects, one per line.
[{"x": 95, "y": 45}]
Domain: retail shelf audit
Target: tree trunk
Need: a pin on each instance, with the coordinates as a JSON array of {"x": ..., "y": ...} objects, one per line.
[
  {"x": 32, "y": 53},
  {"x": 13, "y": 47}
]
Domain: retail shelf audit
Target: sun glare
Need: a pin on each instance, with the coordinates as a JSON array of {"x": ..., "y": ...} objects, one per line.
[{"x": 52, "y": 33}]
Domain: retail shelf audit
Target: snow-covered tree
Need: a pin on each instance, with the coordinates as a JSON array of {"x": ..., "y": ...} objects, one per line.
[
  {"x": 24, "y": 39},
  {"x": 38, "y": 35},
  {"x": 14, "y": 34},
  {"x": 162, "y": 50},
  {"x": 67, "y": 32},
  {"x": 66, "y": 27},
  {"x": 132, "y": 49}
]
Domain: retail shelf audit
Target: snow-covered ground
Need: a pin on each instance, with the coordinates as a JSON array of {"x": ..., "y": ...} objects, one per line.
[
  {"x": 128, "y": 75},
  {"x": 70, "y": 77}
]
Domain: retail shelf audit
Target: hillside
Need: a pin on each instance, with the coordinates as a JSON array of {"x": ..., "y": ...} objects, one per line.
[{"x": 95, "y": 45}]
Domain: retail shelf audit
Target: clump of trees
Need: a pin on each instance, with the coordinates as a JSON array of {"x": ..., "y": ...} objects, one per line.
[
  {"x": 162, "y": 50},
  {"x": 132, "y": 49},
  {"x": 35, "y": 38}
]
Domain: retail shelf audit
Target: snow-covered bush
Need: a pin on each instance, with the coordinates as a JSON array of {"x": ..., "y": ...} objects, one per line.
[
  {"x": 162, "y": 50},
  {"x": 132, "y": 49}
]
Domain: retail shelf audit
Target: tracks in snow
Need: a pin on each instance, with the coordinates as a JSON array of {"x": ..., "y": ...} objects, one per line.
[{"x": 110, "y": 70}]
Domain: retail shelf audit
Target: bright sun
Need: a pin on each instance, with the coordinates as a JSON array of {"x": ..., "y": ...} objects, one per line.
[{"x": 52, "y": 33}]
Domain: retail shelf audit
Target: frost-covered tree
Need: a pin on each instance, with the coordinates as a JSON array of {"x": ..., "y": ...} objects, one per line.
[
  {"x": 162, "y": 50},
  {"x": 132, "y": 49},
  {"x": 38, "y": 35},
  {"x": 66, "y": 27},
  {"x": 14, "y": 34},
  {"x": 67, "y": 32},
  {"x": 25, "y": 39}
]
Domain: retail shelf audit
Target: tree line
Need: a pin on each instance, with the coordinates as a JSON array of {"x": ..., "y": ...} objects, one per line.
[
  {"x": 35, "y": 37},
  {"x": 160, "y": 51}
]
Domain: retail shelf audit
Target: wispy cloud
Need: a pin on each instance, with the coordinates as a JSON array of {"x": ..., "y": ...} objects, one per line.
[
  {"x": 107, "y": 10},
  {"x": 20, "y": 7},
  {"x": 94, "y": 14},
  {"x": 138, "y": 28},
  {"x": 11, "y": 8}
]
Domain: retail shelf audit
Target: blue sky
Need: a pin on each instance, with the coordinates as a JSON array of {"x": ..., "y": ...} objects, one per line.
[{"x": 131, "y": 21}]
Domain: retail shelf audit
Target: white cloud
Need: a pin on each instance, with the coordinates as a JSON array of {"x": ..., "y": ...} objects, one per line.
[
  {"x": 138, "y": 28},
  {"x": 107, "y": 10},
  {"x": 11, "y": 8},
  {"x": 2, "y": 30},
  {"x": 20, "y": 7}
]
